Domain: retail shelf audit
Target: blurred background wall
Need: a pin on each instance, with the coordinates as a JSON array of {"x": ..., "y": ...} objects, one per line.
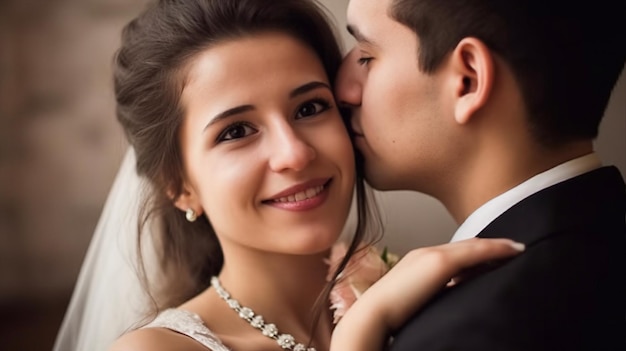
[{"x": 60, "y": 147}]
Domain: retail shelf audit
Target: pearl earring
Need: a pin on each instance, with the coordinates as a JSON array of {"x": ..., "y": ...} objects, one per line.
[{"x": 191, "y": 215}]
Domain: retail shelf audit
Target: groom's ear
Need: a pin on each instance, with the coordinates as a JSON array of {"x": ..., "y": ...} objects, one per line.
[{"x": 472, "y": 69}]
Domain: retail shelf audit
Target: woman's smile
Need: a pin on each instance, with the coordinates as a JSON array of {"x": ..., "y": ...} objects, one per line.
[{"x": 302, "y": 197}]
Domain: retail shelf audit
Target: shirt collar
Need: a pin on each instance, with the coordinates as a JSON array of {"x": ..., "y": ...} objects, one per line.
[{"x": 493, "y": 208}]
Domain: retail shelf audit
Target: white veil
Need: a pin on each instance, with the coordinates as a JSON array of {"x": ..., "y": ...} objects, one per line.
[{"x": 108, "y": 298}]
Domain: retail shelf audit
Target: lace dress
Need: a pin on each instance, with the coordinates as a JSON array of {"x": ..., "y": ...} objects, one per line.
[{"x": 189, "y": 324}]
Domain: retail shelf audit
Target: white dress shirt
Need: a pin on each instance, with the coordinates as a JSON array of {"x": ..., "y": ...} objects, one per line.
[{"x": 493, "y": 208}]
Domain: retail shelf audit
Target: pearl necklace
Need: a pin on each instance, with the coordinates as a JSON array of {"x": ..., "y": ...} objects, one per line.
[{"x": 286, "y": 341}]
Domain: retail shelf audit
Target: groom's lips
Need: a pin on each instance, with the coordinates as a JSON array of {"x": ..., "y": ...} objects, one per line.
[
  {"x": 356, "y": 132},
  {"x": 357, "y": 135},
  {"x": 359, "y": 141}
]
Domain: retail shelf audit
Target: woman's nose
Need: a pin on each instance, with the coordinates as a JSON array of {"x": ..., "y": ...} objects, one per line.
[{"x": 290, "y": 151}]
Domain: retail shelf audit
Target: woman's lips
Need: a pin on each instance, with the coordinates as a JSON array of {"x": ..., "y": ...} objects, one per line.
[{"x": 302, "y": 197}]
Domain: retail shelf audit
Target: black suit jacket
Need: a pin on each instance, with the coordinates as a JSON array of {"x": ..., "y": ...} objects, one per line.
[{"x": 567, "y": 291}]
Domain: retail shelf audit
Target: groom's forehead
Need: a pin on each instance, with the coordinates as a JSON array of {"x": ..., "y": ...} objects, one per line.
[
  {"x": 368, "y": 9},
  {"x": 367, "y": 17}
]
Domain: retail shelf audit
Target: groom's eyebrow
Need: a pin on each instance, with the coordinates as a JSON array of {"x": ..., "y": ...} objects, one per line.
[{"x": 360, "y": 37}]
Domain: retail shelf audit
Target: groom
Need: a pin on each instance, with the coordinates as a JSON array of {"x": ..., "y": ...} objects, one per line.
[{"x": 491, "y": 107}]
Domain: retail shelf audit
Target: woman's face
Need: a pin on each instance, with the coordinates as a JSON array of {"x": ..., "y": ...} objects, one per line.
[{"x": 266, "y": 154}]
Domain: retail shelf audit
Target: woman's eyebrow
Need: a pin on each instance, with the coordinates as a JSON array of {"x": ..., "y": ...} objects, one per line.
[
  {"x": 229, "y": 113},
  {"x": 303, "y": 89}
]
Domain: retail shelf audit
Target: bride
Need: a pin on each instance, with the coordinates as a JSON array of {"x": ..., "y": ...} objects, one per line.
[{"x": 249, "y": 176}]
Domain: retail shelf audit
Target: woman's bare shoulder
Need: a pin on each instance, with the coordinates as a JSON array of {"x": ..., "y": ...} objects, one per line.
[{"x": 155, "y": 339}]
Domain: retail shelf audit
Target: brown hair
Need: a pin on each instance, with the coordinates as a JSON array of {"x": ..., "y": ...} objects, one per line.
[
  {"x": 150, "y": 68},
  {"x": 566, "y": 56}
]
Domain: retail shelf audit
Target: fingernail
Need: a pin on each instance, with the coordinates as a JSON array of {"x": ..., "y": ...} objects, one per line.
[{"x": 518, "y": 246}]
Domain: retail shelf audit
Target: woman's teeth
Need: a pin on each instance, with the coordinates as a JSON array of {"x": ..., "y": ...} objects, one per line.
[{"x": 302, "y": 195}]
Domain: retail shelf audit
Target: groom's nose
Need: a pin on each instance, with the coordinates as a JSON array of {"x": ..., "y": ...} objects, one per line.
[{"x": 349, "y": 86}]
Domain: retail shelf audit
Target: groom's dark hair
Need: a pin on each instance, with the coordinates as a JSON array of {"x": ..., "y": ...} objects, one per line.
[{"x": 566, "y": 57}]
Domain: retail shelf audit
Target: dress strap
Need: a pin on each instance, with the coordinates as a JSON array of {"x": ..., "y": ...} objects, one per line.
[{"x": 189, "y": 324}]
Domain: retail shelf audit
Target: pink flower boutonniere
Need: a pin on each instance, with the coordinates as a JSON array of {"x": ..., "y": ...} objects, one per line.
[{"x": 365, "y": 267}]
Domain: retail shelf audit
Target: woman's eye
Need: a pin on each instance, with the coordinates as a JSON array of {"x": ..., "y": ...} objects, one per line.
[
  {"x": 312, "y": 108},
  {"x": 236, "y": 131}
]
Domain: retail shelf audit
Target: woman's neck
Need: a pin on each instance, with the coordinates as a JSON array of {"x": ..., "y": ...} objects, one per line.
[
  {"x": 287, "y": 285},
  {"x": 283, "y": 289}
]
